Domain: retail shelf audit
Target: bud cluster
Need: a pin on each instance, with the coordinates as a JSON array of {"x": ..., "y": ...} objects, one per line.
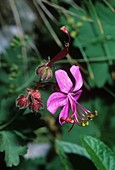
[{"x": 32, "y": 100}]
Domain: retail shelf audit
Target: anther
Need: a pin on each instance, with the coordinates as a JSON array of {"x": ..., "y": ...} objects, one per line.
[
  {"x": 96, "y": 113},
  {"x": 82, "y": 124},
  {"x": 87, "y": 123}
]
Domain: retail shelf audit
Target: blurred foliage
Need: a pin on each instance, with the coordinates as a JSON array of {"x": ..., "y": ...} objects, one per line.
[{"x": 27, "y": 38}]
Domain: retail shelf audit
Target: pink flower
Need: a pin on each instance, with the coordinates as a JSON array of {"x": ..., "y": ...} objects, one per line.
[
  {"x": 67, "y": 99},
  {"x": 32, "y": 100}
]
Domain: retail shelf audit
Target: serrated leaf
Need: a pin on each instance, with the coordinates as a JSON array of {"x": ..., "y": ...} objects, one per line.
[
  {"x": 102, "y": 156},
  {"x": 12, "y": 146},
  {"x": 69, "y": 147}
]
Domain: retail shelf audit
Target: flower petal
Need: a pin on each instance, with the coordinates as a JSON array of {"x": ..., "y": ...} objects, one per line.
[
  {"x": 55, "y": 101},
  {"x": 77, "y": 76},
  {"x": 64, "y": 113},
  {"x": 77, "y": 94},
  {"x": 64, "y": 82}
]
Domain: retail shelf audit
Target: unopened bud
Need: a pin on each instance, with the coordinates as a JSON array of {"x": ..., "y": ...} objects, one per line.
[
  {"x": 32, "y": 100},
  {"x": 35, "y": 105},
  {"x": 34, "y": 93},
  {"x": 44, "y": 72},
  {"x": 22, "y": 101}
]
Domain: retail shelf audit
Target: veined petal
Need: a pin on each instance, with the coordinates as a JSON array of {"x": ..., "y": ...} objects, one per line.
[
  {"x": 77, "y": 94},
  {"x": 64, "y": 82},
  {"x": 64, "y": 113},
  {"x": 55, "y": 101},
  {"x": 77, "y": 76}
]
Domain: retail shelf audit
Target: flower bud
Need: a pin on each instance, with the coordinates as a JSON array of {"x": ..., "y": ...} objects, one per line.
[
  {"x": 32, "y": 100},
  {"x": 44, "y": 72},
  {"x": 35, "y": 105},
  {"x": 34, "y": 93},
  {"x": 22, "y": 101}
]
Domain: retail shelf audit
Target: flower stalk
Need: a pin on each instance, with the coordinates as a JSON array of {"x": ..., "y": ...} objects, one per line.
[
  {"x": 59, "y": 56},
  {"x": 62, "y": 53},
  {"x": 44, "y": 71}
]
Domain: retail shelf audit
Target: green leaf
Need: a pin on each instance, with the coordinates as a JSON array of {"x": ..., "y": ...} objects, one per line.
[
  {"x": 63, "y": 157},
  {"x": 101, "y": 74},
  {"x": 69, "y": 147},
  {"x": 102, "y": 156},
  {"x": 12, "y": 146}
]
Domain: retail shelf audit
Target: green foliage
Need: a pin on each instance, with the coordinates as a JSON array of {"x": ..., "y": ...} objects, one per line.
[
  {"x": 101, "y": 154},
  {"x": 95, "y": 38},
  {"x": 11, "y": 144},
  {"x": 73, "y": 148}
]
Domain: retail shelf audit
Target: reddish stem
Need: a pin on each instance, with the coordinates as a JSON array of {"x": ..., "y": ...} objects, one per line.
[
  {"x": 59, "y": 56},
  {"x": 62, "y": 53},
  {"x": 42, "y": 84}
]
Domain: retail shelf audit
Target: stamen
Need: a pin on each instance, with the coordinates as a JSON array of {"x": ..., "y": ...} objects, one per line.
[
  {"x": 90, "y": 117},
  {"x": 96, "y": 113},
  {"x": 82, "y": 108},
  {"x": 87, "y": 123},
  {"x": 83, "y": 124}
]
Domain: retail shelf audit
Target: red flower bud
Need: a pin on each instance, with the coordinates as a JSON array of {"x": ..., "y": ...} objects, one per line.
[
  {"x": 34, "y": 93},
  {"x": 22, "y": 101},
  {"x": 35, "y": 105},
  {"x": 44, "y": 72},
  {"x": 32, "y": 100}
]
